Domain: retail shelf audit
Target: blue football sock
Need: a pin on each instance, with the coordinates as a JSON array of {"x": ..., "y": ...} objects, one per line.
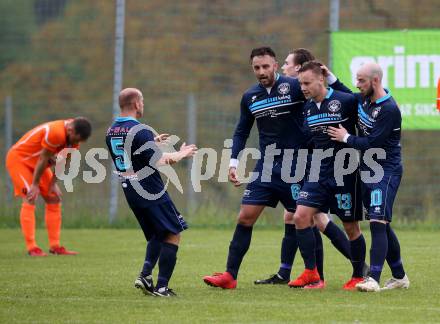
[
  {"x": 306, "y": 244},
  {"x": 338, "y": 239},
  {"x": 238, "y": 248},
  {"x": 358, "y": 251},
  {"x": 393, "y": 255},
  {"x": 319, "y": 252},
  {"x": 379, "y": 248},
  {"x": 151, "y": 256},
  {"x": 167, "y": 262},
  {"x": 289, "y": 246}
]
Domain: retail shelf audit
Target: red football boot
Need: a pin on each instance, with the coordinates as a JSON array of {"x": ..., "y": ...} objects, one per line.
[
  {"x": 36, "y": 252},
  {"x": 306, "y": 278},
  {"x": 317, "y": 285},
  {"x": 351, "y": 284},
  {"x": 61, "y": 250},
  {"x": 222, "y": 280}
]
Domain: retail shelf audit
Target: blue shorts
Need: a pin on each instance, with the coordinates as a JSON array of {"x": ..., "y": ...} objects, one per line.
[
  {"x": 270, "y": 193},
  {"x": 379, "y": 197},
  {"x": 158, "y": 220},
  {"x": 343, "y": 201}
]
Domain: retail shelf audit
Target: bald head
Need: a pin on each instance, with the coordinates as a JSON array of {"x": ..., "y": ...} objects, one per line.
[
  {"x": 371, "y": 70},
  {"x": 369, "y": 81},
  {"x": 131, "y": 103},
  {"x": 128, "y": 97}
]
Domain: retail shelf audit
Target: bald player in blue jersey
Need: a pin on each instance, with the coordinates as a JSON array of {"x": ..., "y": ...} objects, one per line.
[
  {"x": 379, "y": 125},
  {"x": 134, "y": 151}
]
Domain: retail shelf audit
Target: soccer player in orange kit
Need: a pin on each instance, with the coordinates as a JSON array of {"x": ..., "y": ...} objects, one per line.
[{"x": 28, "y": 163}]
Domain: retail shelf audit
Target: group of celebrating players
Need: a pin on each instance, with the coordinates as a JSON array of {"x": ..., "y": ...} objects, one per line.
[
  {"x": 293, "y": 112},
  {"x": 297, "y": 111}
]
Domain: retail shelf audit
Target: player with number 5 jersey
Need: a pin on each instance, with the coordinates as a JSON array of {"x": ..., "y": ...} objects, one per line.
[{"x": 137, "y": 157}]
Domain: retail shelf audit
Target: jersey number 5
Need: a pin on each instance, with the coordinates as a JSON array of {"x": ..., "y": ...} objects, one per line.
[{"x": 121, "y": 160}]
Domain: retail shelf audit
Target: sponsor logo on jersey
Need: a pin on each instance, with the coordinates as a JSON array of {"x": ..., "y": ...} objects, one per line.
[
  {"x": 375, "y": 112},
  {"x": 334, "y": 106},
  {"x": 180, "y": 219},
  {"x": 284, "y": 88},
  {"x": 303, "y": 194}
]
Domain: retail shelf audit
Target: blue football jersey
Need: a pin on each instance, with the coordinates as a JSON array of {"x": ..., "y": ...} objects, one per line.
[
  {"x": 337, "y": 108},
  {"x": 379, "y": 125},
  {"x": 142, "y": 155},
  {"x": 278, "y": 113}
]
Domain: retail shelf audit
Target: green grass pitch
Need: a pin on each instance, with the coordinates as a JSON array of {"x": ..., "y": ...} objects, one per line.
[{"x": 97, "y": 285}]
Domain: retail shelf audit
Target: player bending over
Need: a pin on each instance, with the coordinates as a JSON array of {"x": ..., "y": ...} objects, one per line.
[{"x": 29, "y": 164}]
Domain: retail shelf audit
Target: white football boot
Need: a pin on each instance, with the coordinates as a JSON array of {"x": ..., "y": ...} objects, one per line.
[
  {"x": 368, "y": 285},
  {"x": 394, "y": 283}
]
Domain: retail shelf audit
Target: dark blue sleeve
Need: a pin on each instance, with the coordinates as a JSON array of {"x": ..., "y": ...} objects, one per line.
[
  {"x": 242, "y": 130},
  {"x": 338, "y": 85},
  {"x": 385, "y": 123},
  {"x": 353, "y": 113},
  {"x": 150, "y": 150}
]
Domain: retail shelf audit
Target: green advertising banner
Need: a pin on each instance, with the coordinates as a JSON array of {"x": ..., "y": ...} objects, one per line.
[{"x": 410, "y": 60}]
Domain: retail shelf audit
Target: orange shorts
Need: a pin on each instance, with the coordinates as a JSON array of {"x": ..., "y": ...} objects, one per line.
[{"x": 22, "y": 174}]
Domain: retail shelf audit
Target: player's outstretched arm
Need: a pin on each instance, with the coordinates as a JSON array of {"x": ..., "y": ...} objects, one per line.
[
  {"x": 383, "y": 127},
  {"x": 333, "y": 81},
  {"x": 185, "y": 151}
]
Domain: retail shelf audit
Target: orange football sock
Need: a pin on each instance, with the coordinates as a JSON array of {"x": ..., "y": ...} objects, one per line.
[
  {"x": 53, "y": 223},
  {"x": 27, "y": 221}
]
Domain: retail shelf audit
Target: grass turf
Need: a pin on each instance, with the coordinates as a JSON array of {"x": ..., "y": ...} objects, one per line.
[{"x": 97, "y": 285}]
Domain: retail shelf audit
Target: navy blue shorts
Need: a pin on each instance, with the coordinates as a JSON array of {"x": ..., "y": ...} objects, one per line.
[
  {"x": 270, "y": 193},
  {"x": 379, "y": 197},
  {"x": 159, "y": 220},
  {"x": 343, "y": 201}
]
